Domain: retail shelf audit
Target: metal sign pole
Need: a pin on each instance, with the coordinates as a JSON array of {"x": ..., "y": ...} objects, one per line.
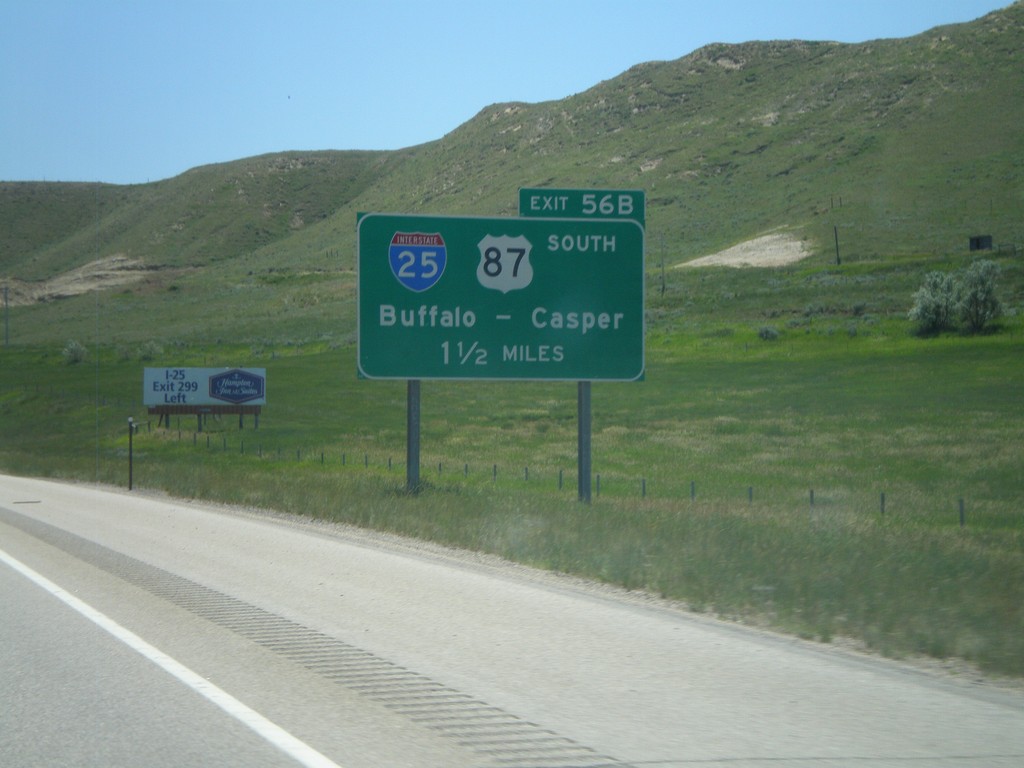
[
  {"x": 583, "y": 441},
  {"x": 412, "y": 437}
]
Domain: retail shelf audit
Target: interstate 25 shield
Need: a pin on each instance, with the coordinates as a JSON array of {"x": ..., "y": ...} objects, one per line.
[{"x": 417, "y": 259}]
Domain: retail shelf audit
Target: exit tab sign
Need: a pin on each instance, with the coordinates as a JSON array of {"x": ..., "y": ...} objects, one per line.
[
  {"x": 583, "y": 203},
  {"x": 444, "y": 297}
]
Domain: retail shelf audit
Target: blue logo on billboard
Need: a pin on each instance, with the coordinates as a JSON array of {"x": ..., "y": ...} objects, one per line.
[
  {"x": 418, "y": 259},
  {"x": 237, "y": 386}
]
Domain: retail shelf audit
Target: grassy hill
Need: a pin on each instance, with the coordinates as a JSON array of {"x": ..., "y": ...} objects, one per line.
[
  {"x": 902, "y": 146},
  {"x": 795, "y": 458}
]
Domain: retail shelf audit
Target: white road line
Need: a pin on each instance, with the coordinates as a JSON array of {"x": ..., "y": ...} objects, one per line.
[{"x": 261, "y": 726}]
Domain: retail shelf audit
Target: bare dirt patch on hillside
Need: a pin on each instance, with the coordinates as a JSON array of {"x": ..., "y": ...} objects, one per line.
[
  {"x": 110, "y": 272},
  {"x": 771, "y": 250}
]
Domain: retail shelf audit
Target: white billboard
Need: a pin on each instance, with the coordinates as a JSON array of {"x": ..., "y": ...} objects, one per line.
[{"x": 204, "y": 386}]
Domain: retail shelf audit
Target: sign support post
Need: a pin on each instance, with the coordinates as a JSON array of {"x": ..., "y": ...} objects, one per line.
[
  {"x": 583, "y": 455},
  {"x": 412, "y": 436}
]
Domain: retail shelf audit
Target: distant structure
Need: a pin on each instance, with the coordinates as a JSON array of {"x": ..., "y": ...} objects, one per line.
[{"x": 981, "y": 243}]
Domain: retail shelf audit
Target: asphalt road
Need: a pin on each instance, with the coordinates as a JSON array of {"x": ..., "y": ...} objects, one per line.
[{"x": 137, "y": 630}]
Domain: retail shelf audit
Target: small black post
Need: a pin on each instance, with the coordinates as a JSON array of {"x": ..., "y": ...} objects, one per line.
[
  {"x": 131, "y": 433},
  {"x": 883, "y": 503},
  {"x": 643, "y": 487},
  {"x": 835, "y": 231},
  {"x": 961, "y": 513},
  {"x": 812, "y": 497},
  {"x": 750, "y": 494}
]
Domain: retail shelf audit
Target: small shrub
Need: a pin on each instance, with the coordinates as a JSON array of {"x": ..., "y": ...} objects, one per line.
[
  {"x": 976, "y": 302},
  {"x": 968, "y": 296},
  {"x": 767, "y": 333},
  {"x": 934, "y": 304},
  {"x": 74, "y": 353},
  {"x": 814, "y": 309},
  {"x": 149, "y": 351}
]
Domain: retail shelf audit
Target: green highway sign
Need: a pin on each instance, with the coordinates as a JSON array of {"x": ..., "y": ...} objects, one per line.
[
  {"x": 444, "y": 297},
  {"x": 583, "y": 203}
]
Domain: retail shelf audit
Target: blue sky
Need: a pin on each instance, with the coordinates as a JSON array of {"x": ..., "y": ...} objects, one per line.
[{"x": 131, "y": 91}]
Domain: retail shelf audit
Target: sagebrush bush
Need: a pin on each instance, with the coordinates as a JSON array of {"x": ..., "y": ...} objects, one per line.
[
  {"x": 977, "y": 304},
  {"x": 74, "y": 353},
  {"x": 934, "y": 304},
  {"x": 150, "y": 351},
  {"x": 968, "y": 297}
]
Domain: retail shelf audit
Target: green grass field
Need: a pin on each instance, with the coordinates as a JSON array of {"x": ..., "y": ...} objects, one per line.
[{"x": 706, "y": 469}]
